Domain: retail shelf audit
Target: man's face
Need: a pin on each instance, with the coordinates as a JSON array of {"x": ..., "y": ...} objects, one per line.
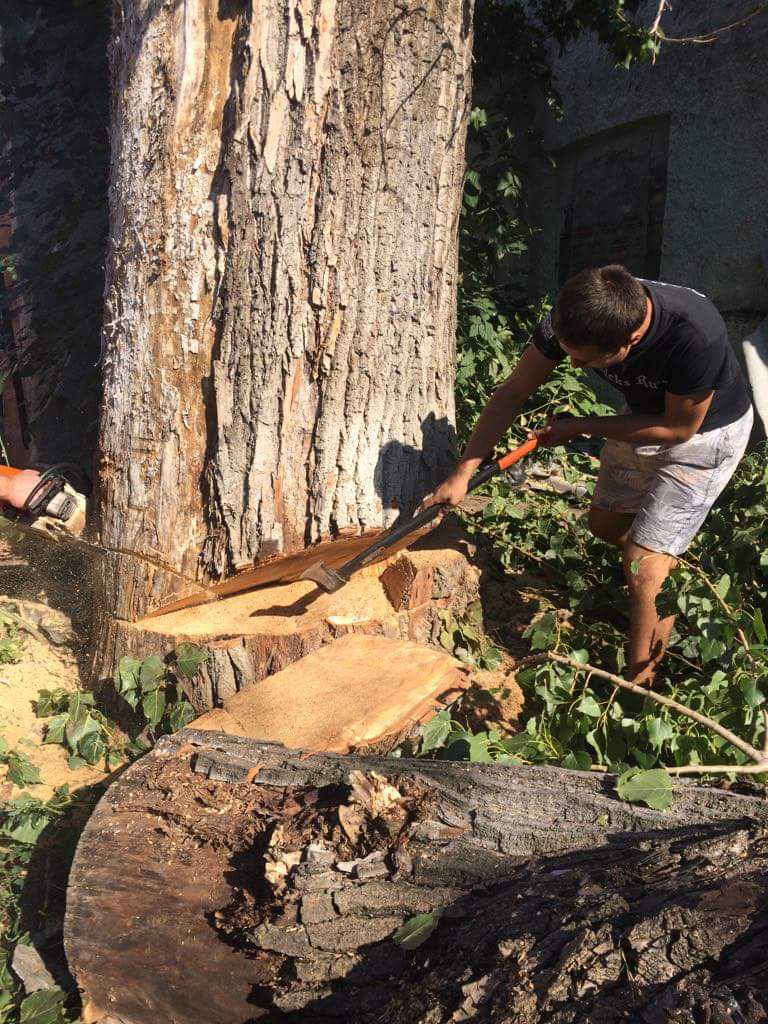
[
  {"x": 598, "y": 360},
  {"x": 594, "y": 357}
]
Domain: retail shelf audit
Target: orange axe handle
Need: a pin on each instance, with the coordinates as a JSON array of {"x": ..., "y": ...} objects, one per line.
[
  {"x": 519, "y": 453},
  {"x": 426, "y": 515}
]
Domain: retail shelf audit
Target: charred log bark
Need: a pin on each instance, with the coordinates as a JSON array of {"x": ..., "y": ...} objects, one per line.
[{"x": 233, "y": 881}]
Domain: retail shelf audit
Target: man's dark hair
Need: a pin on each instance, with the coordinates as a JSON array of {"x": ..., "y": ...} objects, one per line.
[{"x": 599, "y": 307}]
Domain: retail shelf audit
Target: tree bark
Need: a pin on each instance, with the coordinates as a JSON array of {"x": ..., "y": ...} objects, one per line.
[
  {"x": 221, "y": 880},
  {"x": 280, "y": 303}
]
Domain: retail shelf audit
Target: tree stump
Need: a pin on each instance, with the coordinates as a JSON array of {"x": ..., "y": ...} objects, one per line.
[
  {"x": 221, "y": 881},
  {"x": 252, "y": 635}
]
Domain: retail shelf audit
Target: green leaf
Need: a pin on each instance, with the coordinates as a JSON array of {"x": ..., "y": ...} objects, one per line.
[
  {"x": 478, "y": 749},
  {"x": 90, "y": 727},
  {"x": 490, "y": 658},
  {"x": 153, "y": 706},
  {"x": 475, "y": 613},
  {"x": 417, "y": 929},
  {"x": 48, "y": 703},
  {"x": 79, "y": 702},
  {"x": 21, "y": 771},
  {"x": 653, "y": 787},
  {"x": 710, "y": 648},
  {"x": 152, "y": 673},
  {"x": 128, "y": 672},
  {"x": 578, "y": 760},
  {"x": 180, "y": 714},
  {"x": 54, "y": 730},
  {"x": 27, "y": 826},
  {"x": 659, "y": 730},
  {"x": 78, "y": 725},
  {"x": 44, "y": 1007},
  {"x": 435, "y": 732},
  {"x": 723, "y": 586},
  {"x": 131, "y": 697},
  {"x": 114, "y": 758},
  {"x": 189, "y": 658},
  {"x": 92, "y": 747},
  {"x": 751, "y": 692},
  {"x": 758, "y": 624},
  {"x": 589, "y": 706},
  {"x": 446, "y": 639},
  {"x": 76, "y": 762}
]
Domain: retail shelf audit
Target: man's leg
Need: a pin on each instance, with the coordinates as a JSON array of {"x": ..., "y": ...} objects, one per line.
[
  {"x": 625, "y": 481},
  {"x": 612, "y": 527},
  {"x": 648, "y": 634}
]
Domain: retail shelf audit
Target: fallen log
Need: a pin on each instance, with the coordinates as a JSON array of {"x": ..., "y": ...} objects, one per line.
[{"x": 222, "y": 880}]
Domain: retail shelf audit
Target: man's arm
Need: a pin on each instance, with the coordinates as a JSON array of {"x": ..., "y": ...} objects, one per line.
[
  {"x": 682, "y": 417},
  {"x": 505, "y": 404},
  {"x": 532, "y": 369},
  {"x": 14, "y": 490}
]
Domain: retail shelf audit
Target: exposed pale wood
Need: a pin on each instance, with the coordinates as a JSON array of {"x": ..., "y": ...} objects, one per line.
[
  {"x": 173, "y": 836},
  {"x": 252, "y": 635},
  {"x": 359, "y": 691},
  {"x": 288, "y": 569}
]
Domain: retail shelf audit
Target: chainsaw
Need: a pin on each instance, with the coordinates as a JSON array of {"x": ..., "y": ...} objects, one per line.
[{"x": 56, "y": 505}]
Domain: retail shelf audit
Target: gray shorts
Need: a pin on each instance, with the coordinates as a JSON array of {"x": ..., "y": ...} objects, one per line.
[{"x": 669, "y": 488}]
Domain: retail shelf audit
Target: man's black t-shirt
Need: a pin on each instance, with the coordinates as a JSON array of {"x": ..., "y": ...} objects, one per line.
[{"x": 684, "y": 351}]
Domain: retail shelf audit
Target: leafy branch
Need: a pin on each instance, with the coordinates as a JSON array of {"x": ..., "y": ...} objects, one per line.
[
  {"x": 759, "y": 757},
  {"x": 157, "y": 685}
]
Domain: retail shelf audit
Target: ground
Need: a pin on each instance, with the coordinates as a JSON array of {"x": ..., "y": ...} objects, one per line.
[{"x": 43, "y": 587}]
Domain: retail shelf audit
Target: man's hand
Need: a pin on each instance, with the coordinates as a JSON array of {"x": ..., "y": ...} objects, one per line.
[
  {"x": 14, "y": 490},
  {"x": 558, "y": 431},
  {"x": 451, "y": 491}
]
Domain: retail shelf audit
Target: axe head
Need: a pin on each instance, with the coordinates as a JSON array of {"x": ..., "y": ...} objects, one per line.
[{"x": 329, "y": 579}]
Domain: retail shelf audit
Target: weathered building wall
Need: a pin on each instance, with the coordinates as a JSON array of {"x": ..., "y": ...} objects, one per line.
[{"x": 664, "y": 167}]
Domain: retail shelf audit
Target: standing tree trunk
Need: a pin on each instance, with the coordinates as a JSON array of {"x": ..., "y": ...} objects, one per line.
[{"x": 280, "y": 312}]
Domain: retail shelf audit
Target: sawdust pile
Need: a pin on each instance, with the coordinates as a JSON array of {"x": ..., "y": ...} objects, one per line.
[{"x": 49, "y": 658}]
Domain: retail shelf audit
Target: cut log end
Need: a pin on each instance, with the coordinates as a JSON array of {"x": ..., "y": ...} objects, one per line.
[{"x": 358, "y": 692}]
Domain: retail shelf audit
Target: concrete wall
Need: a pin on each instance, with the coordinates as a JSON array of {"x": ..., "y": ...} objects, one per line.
[{"x": 712, "y": 200}]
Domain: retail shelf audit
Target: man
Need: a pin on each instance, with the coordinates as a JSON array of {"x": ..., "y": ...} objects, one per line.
[{"x": 668, "y": 454}]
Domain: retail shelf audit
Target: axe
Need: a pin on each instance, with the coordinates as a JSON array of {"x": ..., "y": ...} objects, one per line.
[{"x": 332, "y": 580}]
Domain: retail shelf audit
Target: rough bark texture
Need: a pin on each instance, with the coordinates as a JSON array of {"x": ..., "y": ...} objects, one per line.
[
  {"x": 279, "y": 339},
  {"x": 223, "y": 881}
]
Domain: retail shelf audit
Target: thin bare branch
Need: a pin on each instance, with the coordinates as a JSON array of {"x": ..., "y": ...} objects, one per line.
[
  {"x": 657, "y": 20},
  {"x": 719, "y": 769},
  {"x": 708, "y": 37}
]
